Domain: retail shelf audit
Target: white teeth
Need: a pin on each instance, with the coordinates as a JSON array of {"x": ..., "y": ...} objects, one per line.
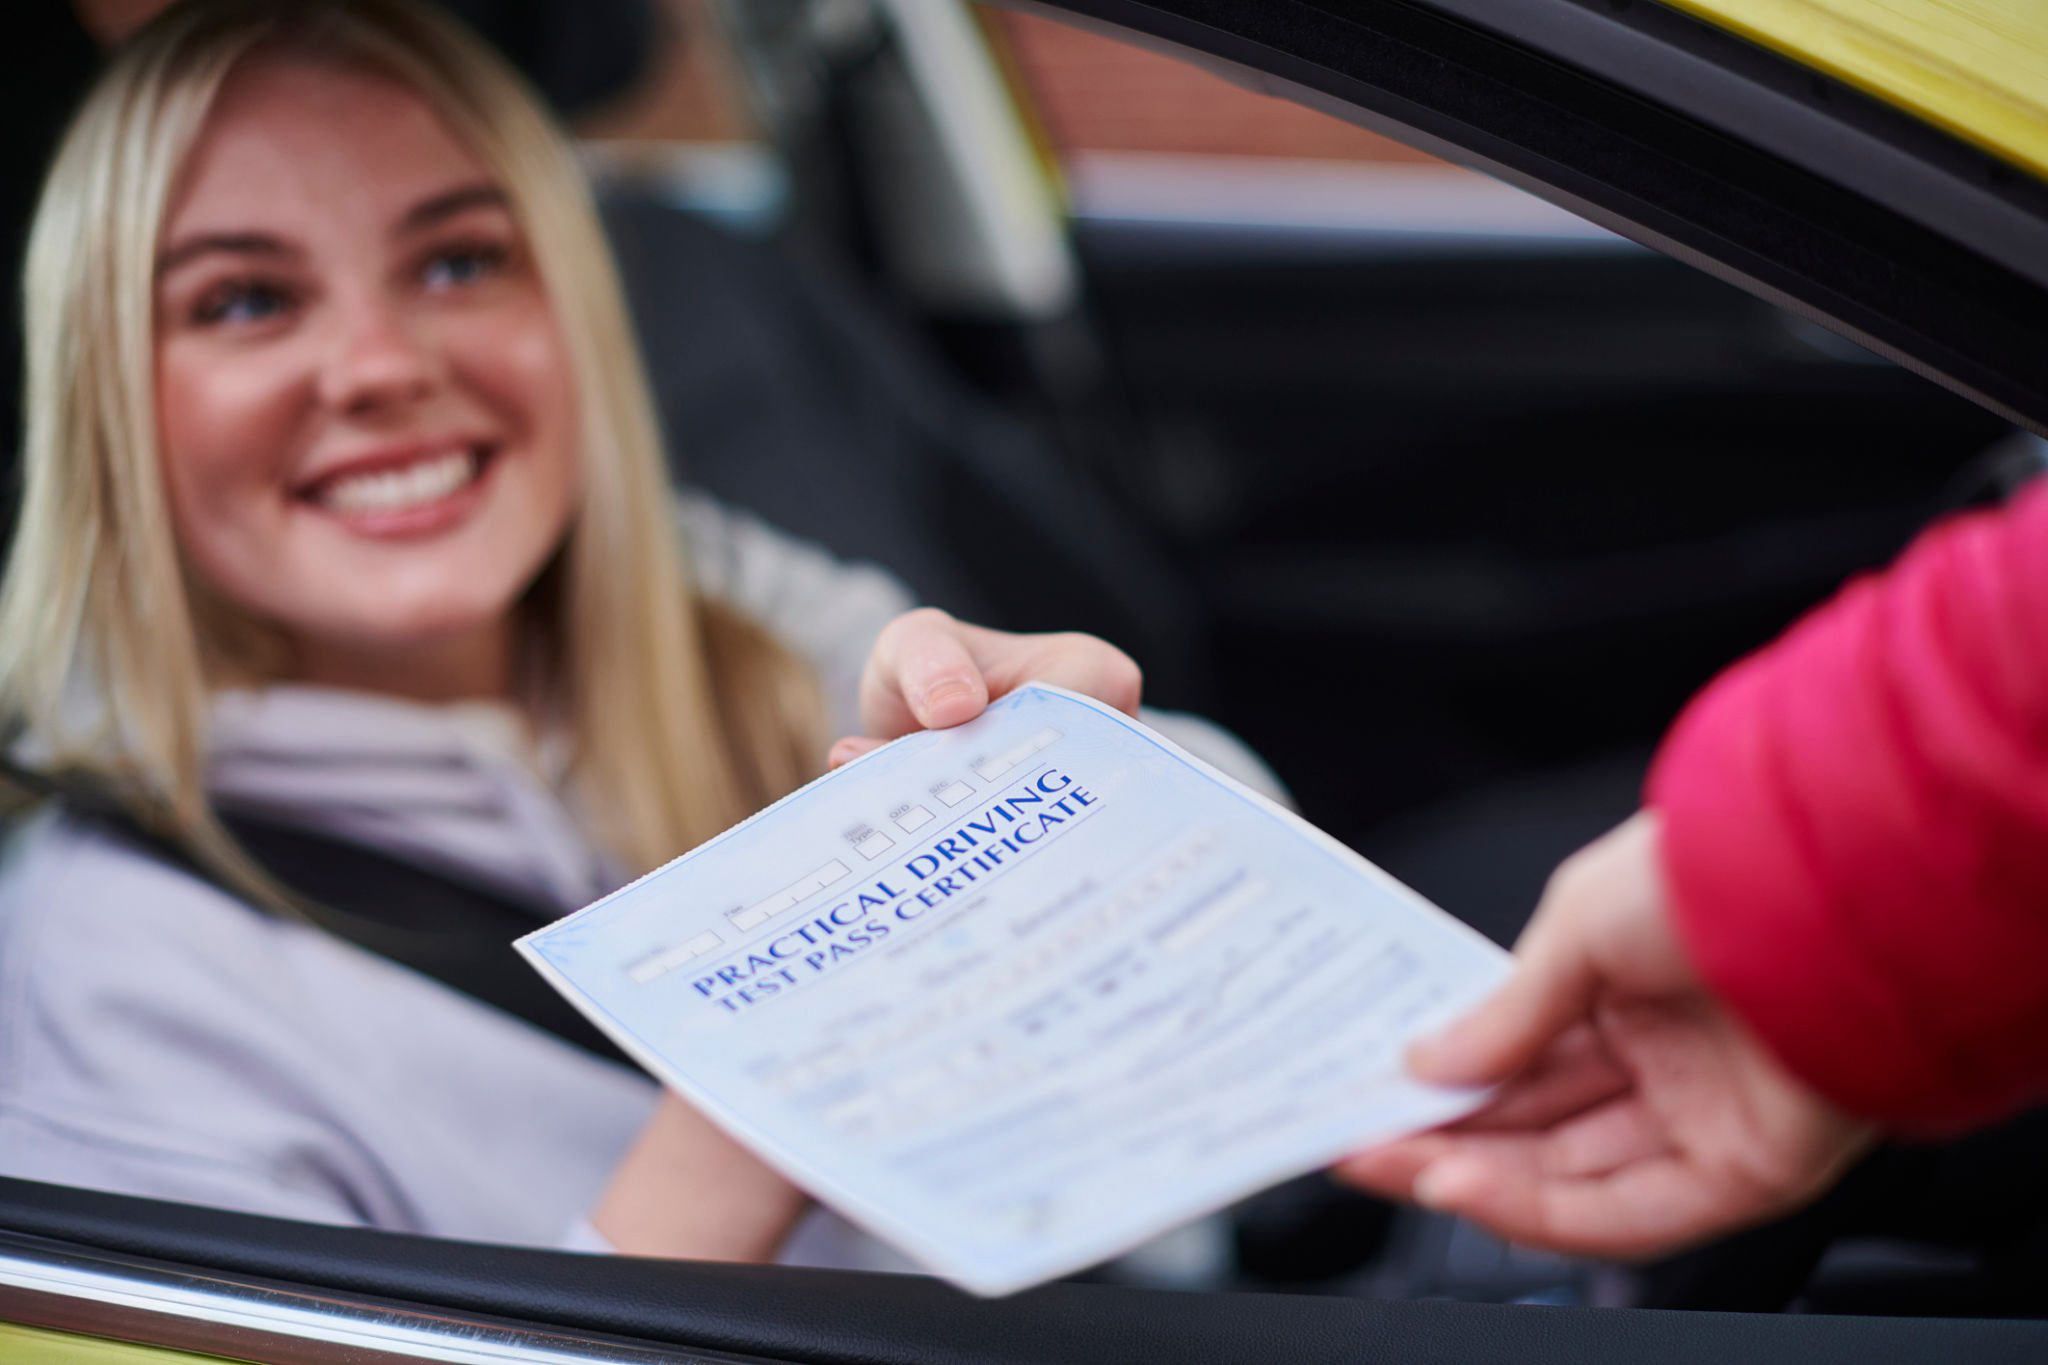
[{"x": 397, "y": 490}]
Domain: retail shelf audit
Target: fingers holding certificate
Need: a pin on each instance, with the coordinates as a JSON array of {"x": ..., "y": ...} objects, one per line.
[
  {"x": 929, "y": 671},
  {"x": 1022, "y": 993}
]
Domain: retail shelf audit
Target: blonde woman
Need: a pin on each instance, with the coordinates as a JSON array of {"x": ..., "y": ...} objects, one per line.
[{"x": 344, "y": 507}]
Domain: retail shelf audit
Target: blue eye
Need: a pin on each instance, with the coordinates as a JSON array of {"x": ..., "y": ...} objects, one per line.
[
  {"x": 454, "y": 267},
  {"x": 242, "y": 301}
]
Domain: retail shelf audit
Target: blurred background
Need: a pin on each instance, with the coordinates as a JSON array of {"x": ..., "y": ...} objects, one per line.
[{"x": 1441, "y": 497}]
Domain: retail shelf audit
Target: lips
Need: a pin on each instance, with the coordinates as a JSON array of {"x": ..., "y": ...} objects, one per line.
[
  {"x": 405, "y": 491},
  {"x": 403, "y": 488}
]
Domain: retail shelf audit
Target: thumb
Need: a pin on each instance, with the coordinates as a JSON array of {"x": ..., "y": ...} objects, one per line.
[{"x": 1551, "y": 989}]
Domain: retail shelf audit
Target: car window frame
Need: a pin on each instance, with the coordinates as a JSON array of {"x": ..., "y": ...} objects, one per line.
[{"x": 1686, "y": 138}]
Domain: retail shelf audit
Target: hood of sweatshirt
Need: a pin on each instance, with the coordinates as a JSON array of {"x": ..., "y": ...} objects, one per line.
[{"x": 462, "y": 787}]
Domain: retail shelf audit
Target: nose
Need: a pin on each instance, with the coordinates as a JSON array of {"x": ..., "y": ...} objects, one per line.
[{"x": 378, "y": 359}]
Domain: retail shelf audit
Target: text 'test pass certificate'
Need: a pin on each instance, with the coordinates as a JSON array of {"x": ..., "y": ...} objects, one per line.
[{"x": 1019, "y": 995}]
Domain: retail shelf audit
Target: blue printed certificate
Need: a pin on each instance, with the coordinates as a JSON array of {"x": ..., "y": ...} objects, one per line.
[{"x": 1021, "y": 995}]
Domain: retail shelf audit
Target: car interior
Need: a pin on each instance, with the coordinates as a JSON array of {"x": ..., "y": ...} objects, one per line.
[{"x": 1441, "y": 487}]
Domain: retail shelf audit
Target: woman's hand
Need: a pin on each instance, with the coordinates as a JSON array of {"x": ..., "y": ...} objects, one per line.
[
  {"x": 1635, "y": 1114},
  {"x": 687, "y": 1191},
  {"x": 928, "y": 671}
]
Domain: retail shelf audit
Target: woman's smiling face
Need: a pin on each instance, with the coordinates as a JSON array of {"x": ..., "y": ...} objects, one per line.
[{"x": 367, "y": 418}]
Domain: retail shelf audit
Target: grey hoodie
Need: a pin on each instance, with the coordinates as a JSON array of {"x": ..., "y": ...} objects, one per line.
[{"x": 160, "y": 1037}]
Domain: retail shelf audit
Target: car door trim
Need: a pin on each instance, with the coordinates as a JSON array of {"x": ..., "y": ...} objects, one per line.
[{"x": 1688, "y": 139}]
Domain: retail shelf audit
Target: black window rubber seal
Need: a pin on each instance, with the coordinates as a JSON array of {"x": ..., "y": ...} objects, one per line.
[{"x": 1690, "y": 139}]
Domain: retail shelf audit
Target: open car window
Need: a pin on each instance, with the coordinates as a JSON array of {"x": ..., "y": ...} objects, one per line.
[{"x": 1692, "y": 139}]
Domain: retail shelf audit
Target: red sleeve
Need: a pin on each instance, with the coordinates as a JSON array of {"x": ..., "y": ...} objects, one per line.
[{"x": 1855, "y": 831}]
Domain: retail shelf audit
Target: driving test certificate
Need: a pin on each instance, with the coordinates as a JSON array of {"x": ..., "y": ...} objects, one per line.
[{"x": 1020, "y": 995}]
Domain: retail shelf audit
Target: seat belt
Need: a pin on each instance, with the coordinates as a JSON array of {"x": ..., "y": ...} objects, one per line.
[
  {"x": 456, "y": 931},
  {"x": 446, "y": 927}
]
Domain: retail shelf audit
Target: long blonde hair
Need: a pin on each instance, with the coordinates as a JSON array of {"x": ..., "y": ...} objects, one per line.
[{"x": 683, "y": 716}]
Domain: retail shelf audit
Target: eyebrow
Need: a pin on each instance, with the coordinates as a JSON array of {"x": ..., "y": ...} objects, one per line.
[
  {"x": 425, "y": 214},
  {"x": 236, "y": 243},
  {"x": 447, "y": 204}
]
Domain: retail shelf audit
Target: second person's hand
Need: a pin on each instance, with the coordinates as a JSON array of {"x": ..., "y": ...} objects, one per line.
[{"x": 1635, "y": 1115}]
